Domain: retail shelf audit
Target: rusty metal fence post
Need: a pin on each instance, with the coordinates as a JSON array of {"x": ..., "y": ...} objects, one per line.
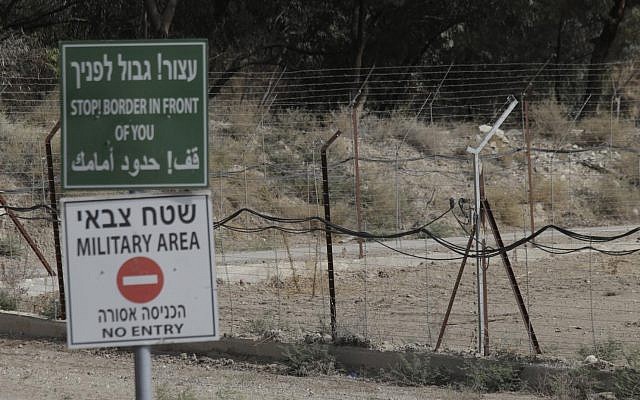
[
  {"x": 54, "y": 209},
  {"x": 327, "y": 217}
]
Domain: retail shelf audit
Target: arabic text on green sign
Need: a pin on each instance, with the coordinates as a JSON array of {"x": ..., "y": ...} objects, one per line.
[{"x": 134, "y": 114}]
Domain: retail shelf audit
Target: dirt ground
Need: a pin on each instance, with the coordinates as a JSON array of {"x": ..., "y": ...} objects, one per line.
[
  {"x": 574, "y": 301},
  {"x": 47, "y": 370}
]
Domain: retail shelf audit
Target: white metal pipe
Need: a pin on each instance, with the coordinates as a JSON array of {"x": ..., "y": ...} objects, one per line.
[
  {"x": 480, "y": 282},
  {"x": 480, "y": 278}
]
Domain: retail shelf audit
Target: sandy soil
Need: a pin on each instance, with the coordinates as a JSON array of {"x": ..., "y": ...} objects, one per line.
[
  {"x": 47, "y": 370},
  {"x": 573, "y": 300}
]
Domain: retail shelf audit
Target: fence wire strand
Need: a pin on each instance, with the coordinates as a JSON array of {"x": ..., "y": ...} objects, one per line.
[{"x": 266, "y": 129}]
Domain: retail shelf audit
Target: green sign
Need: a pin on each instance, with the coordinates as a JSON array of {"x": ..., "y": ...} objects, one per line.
[{"x": 134, "y": 114}]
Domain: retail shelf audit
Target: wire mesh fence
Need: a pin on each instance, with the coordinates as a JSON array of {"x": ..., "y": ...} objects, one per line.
[{"x": 412, "y": 127}]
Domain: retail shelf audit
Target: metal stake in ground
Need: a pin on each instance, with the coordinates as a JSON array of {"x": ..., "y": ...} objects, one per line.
[
  {"x": 55, "y": 219},
  {"x": 327, "y": 217}
]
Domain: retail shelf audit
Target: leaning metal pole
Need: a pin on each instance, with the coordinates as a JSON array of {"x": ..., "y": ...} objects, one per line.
[
  {"x": 327, "y": 217},
  {"x": 16, "y": 221},
  {"x": 476, "y": 222},
  {"x": 447, "y": 314}
]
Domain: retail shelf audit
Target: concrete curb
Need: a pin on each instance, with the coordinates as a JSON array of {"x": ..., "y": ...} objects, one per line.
[
  {"x": 359, "y": 360},
  {"x": 31, "y": 326}
]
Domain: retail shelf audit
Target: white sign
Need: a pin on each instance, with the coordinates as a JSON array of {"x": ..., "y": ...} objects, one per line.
[{"x": 139, "y": 270}]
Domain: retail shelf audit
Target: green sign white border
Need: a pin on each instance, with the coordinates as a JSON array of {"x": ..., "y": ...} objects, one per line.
[{"x": 133, "y": 43}]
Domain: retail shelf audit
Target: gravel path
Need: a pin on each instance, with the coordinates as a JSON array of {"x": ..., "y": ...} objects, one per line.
[{"x": 31, "y": 370}]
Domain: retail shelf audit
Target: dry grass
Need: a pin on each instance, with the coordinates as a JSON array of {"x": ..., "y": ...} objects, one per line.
[
  {"x": 628, "y": 167},
  {"x": 429, "y": 139},
  {"x": 602, "y": 129},
  {"x": 550, "y": 191},
  {"x": 548, "y": 119},
  {"x": 510, "y": 206},
  {"x": 46, "y": 112},
  {"x": 614, "y": 199},
  {"x": 23, "y": 149},
  {"x": 244, "y": 119},
  {"x": 339, "y": 120},
  {"x": 380, "y": 212},
  {"x": 507, "y": 206}
]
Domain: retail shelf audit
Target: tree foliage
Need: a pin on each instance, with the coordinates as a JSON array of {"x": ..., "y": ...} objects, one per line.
[
  {"x": 359, "y": 34},
  {"x": 338, "y": 33}
]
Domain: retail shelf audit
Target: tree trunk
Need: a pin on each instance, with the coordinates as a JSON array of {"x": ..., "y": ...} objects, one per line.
[
  {"x": 600, "y": 52},
  {"x": 358, "y": 45},
  {"x": 160, "y": 21},
  {"x": 561, "y": 23}
]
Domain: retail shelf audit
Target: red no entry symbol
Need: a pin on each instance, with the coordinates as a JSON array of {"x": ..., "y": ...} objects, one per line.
[{"x": 140, "y": 279}]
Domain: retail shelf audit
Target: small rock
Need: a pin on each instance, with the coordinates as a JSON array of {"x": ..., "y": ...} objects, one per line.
[
  {"x": 274, "y": 335},
  {"x": 591, "y": 359},
  {"x": 311, "y": 338},
  {"x": 602, "y": 396}
]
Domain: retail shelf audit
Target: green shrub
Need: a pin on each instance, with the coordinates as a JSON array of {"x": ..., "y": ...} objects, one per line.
[
  {"x": 262, "y": 325},
  {"x": 631, "y": 355},
  {"x": 10, "y": 247},
  {"x": 413, "y": 370},
  {"x": 309, "y": 360},
  {"x": 609, "y": 350},
  {"x": 51, "y": 307},
  {"x": 571, "y": 385},
  {"x": 8, "y": 302},
  {"x": 626, "y": 384},
  {"x": 493, "y": 377}
]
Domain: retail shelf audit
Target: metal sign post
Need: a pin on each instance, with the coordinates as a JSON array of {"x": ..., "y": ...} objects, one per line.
[
  {"x": 480, "y": 277},
  {"x": 142, "y": 360}
]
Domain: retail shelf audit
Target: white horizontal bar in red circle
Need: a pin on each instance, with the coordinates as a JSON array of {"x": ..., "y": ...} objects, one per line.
[{"x": 140, "y": 280}]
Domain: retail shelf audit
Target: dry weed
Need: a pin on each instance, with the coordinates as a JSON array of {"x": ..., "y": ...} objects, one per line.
[
  {"x": 339, "y": 120},
  {"x": 549, "y": 119},
  {"x": 602, "y": 129},
  {"x": 430, "y": 139},
  {"x": 381, "y": 204},
  {"x": 507, "y": 206},
  {"x": 550, "y": 191},
  {"x": 628, "y": 166},
  {"x": 614, "y": 199},
  {"x": 23, "y": 149}
]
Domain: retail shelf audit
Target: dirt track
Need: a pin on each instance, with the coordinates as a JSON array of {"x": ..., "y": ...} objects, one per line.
[
  {"x": 573, "y": 300},
  {"x": 32, "y": 370}
]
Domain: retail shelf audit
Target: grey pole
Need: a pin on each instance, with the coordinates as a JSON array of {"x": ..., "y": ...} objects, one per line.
[
  {"x": 476, "y": 191},
  {"x": 142, "y": 359},
  {"x": 479, "y": 271}
]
